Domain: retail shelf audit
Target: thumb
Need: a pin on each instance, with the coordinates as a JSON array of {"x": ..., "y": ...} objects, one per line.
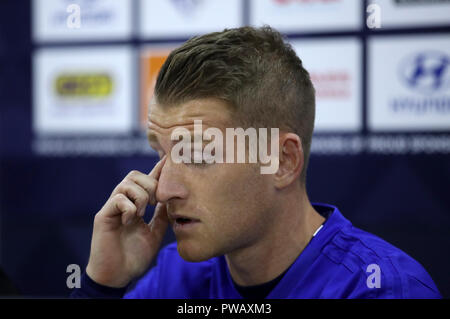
[{"x": 159, "y": 222}]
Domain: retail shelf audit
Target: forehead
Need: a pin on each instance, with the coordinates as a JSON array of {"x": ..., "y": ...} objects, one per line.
[{"x": 212, "y": 112}]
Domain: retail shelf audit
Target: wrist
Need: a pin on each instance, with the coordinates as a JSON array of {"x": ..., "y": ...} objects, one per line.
[{"x": 105, "y": 280}]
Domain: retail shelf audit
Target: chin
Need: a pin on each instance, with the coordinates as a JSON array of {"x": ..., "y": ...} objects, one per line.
[{"x": 193, "y": 252}]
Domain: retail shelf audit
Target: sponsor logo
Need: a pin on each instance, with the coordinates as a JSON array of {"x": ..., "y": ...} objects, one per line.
[
  {"x": 187, "y": 7},
  {"x": 420, "y": 2},
  {"x": 332, "y": 84},
  {"x": 87, "y": 85},
  {"x": 306, "y": 1},
  {"x": 427, "y": 74},
  {"x": 93, "y": 12},
  {"x": 151, "y": 63}
]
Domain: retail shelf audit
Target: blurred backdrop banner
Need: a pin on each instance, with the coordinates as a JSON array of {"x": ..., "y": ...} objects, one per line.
[{"x": 77, "y": 76}]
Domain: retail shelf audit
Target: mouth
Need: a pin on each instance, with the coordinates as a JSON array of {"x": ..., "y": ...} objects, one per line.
[{"x": 183, "y": 222}]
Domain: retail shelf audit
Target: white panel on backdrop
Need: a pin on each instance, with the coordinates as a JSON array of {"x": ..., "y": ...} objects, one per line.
[
  {"x": 306, "y": 16},
  {"x": 83, "y": 90},
  {"x": 334, "y": 67},
  {"x": 409, "y": 83},
  {"x": 68, "y": 20},
  {"x": 407, "y": 13},
  {"x": 180, "y": 18}
]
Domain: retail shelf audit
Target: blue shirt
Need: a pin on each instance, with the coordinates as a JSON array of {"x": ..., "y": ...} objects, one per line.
[{"x": 341, "y": 261}]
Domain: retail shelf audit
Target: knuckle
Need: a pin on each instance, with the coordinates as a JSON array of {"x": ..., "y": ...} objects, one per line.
[
  {"x": 128, "y": 183},
  {"x": 132, "y": 175},
  {"x": 126, "y": 207},
  {"x": 124, "y": 187},
  {"x": 118, "y": 198}
]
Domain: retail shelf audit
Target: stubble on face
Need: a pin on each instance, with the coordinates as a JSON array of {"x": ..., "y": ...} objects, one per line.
[{"x": 232, "y": 201}]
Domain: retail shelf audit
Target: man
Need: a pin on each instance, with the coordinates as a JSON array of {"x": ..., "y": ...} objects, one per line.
[{"x": 239, "y": 233}]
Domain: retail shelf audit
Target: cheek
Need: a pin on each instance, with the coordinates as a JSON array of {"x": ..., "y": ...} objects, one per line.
[
  {"x": 234, "y": 195},
  {"x": 233, "y": 205}
]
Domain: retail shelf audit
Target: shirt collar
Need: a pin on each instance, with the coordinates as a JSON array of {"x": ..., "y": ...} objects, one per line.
[{"x": 296, "y": 272}]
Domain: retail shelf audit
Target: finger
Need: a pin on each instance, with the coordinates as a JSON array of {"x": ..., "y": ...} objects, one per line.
[
  {"x": 159, "y": 222},
  {"x": 146, "y": 182},
  {"x": 121, "y": 205},
  {"x": 156, "y": 171},
  {"x": 135, "y": 193},
  {"x": 141, "y": 198}
]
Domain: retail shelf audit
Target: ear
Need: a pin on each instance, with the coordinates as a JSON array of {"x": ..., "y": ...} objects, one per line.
[{"x": 291, "y": 160}]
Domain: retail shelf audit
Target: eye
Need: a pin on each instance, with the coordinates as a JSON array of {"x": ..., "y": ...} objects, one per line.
[{"x": 206, "y": 161}]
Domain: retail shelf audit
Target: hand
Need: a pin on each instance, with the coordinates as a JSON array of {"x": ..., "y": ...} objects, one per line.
[{"x": 123, "y": 245}]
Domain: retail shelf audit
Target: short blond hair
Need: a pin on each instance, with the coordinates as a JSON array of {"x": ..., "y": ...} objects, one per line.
[{"x": 253, "y": 69}]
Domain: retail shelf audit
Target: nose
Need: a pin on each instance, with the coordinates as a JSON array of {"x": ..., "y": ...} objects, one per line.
[{"x": 170, "y": 183}]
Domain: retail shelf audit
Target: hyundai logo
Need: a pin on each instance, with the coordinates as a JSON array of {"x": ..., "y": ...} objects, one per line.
[
  {"x": 186, "y": 6},
  {"x": 426, "y": 72}
]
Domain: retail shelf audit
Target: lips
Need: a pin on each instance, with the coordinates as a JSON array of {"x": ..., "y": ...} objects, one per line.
[
  {"x": 178, "y": 220},
  {"x": 183, "y": 220}
]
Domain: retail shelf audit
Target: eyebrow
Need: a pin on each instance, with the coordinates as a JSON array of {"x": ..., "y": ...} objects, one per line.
[{"x": 152, "y": 138}]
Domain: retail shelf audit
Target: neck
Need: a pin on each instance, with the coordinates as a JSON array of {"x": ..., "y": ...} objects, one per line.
[{"x": 283, "y": 241}]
